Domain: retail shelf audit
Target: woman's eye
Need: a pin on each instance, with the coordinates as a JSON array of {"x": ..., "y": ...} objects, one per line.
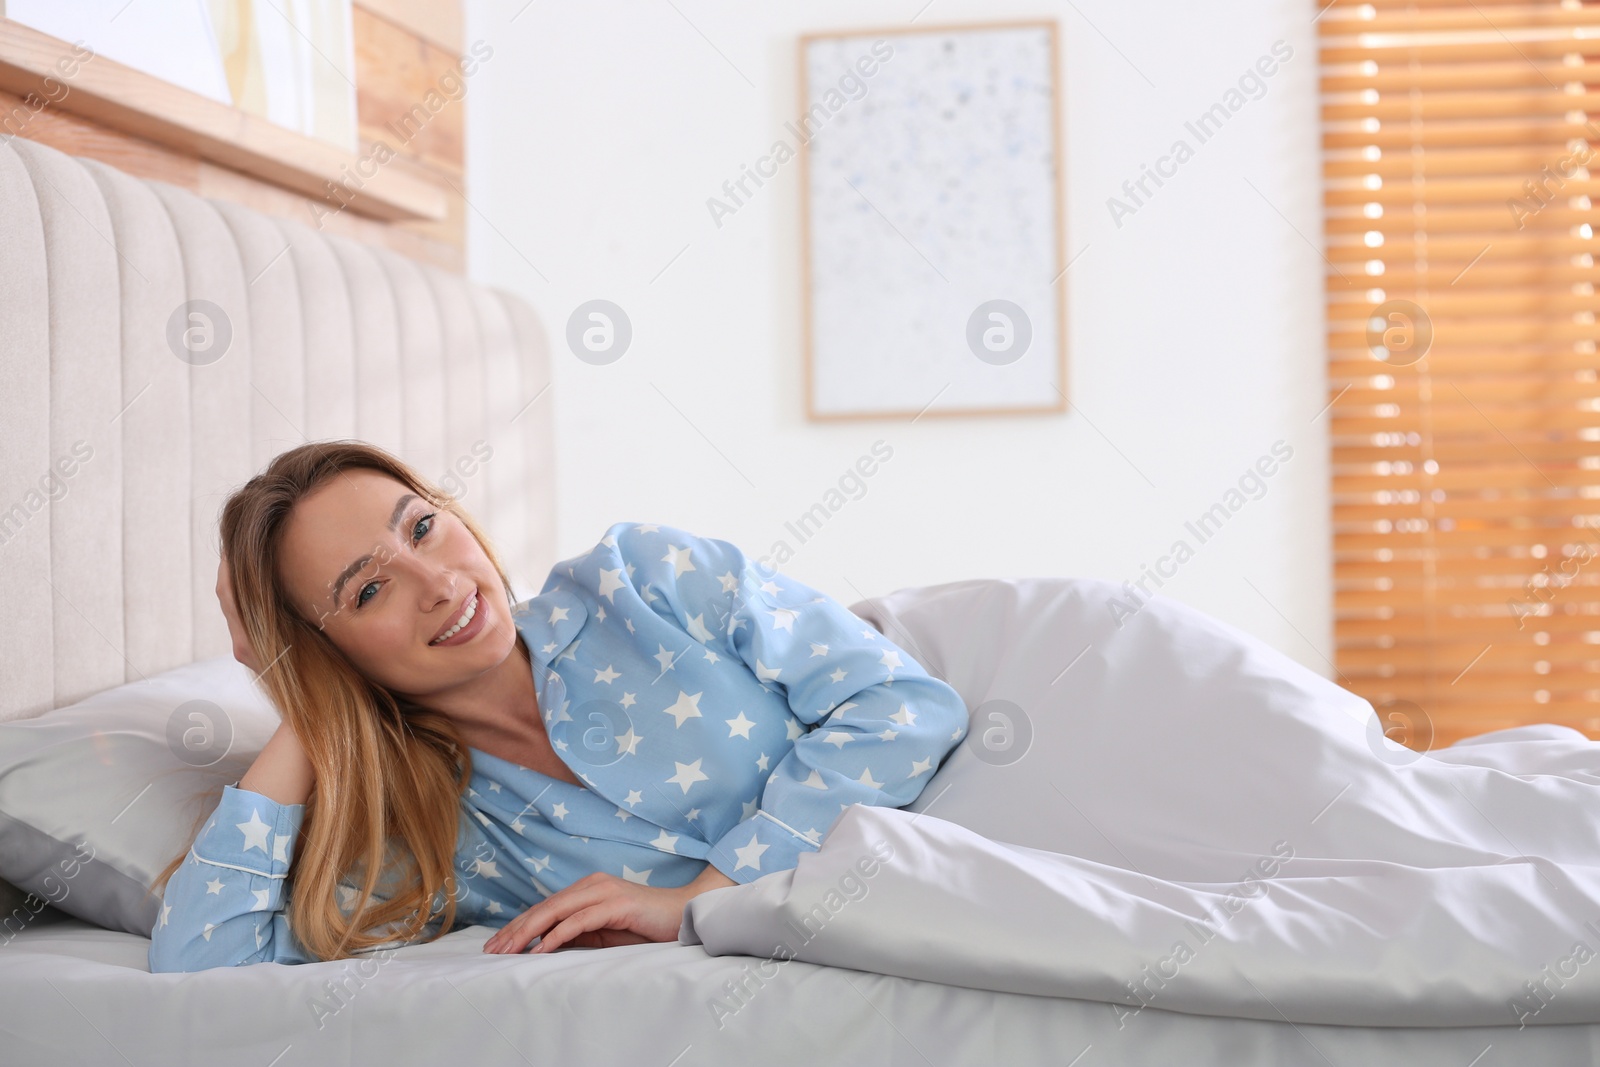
[{"x": 361, "y": 597}]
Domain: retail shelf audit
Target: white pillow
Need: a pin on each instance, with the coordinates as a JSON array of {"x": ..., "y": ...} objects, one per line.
[{"x": 97, "y": 796}]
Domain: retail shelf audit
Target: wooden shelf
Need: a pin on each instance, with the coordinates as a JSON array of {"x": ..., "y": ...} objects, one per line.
[{"x": 127, "y": 100}]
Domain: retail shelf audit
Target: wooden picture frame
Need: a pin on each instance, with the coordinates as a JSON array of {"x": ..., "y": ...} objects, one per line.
[{"x": 918, "y": 300}]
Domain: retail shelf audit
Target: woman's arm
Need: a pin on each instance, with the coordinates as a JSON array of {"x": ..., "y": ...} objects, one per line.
[
  {"x": 225, "y": 903},
  {"x": 282, "y": 771}
]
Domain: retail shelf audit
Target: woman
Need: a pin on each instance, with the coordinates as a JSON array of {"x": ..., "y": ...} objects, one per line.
[{"x": 659, "y": 721}]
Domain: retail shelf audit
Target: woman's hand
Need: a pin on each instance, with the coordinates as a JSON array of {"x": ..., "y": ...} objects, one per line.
[
  {"x": 230, "y": 611},
  {"x": 602, "y": 910}
]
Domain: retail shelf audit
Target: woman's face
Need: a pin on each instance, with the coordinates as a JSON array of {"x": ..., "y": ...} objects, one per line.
[{"x": 384, "y": 573}]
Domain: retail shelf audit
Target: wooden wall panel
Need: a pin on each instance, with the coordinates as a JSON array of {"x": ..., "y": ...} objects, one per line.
[{"x": 405, "y": 50}]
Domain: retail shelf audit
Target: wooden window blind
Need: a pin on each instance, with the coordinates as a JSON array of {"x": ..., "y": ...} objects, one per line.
[{"x": 1464, "y": 401}]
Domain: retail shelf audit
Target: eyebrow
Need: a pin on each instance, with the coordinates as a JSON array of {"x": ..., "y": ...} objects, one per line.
[{"x": 355, "y": 568}]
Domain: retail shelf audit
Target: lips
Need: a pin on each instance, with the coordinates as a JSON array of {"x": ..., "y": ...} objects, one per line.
[{"x": 455, "y": 616}]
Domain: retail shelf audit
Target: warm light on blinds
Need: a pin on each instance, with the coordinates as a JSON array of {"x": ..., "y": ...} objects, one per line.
[{"x": 1465, "y": 419}]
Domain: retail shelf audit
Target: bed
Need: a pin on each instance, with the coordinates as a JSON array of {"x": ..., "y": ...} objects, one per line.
[{"x": 124, "y": 419}]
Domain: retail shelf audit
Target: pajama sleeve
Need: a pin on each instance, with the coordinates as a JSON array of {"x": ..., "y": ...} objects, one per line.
[
  {"x": 869, "y": 726},
  {"x": 224, "y": 905}
]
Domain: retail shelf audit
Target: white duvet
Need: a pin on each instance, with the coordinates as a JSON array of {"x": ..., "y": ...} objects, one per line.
[{"x": 1172, "y": 814}]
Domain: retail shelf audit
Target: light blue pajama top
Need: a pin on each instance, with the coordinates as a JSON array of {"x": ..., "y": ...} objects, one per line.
[{"x": 716, "y": 715}]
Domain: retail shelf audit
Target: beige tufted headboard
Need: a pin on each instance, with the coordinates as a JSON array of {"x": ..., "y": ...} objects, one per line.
[{"x": 121, "y": 434}]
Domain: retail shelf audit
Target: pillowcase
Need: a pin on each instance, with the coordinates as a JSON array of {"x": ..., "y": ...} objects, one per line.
[{"x": 96, "y": 797}]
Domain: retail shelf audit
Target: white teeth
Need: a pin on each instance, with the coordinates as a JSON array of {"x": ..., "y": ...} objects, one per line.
[{"x": 466, "y": 617}]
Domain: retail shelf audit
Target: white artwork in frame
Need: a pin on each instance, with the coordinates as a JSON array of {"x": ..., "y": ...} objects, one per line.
[{"x": 932, "y": 203}]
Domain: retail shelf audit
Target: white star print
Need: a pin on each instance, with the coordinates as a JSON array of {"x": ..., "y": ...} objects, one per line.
[
  {"x": 686, "y": 707},
  {"x": 280, "y": 847},
  {"x": 783, "y": 619},
  {"x": 888, "y": 735},
  {"x": 486, "y": 868},
  {"x": 559, "y": 811},
  {"x": 206, "y": 933},
  {"x": 729, "y": 581},
  {"x": 557, "y": 614},
  {"x": 819, "y": 650},
  {"x": 761, "y": 764},
  {"x": 261, "y": 899},
  {"x": 680, "y": 563},
  {"x": 610, "y": 582},
  {"x": 905, "y": 716},
  {"x": 815, "y": 780},
  {"x": 767, "y": 674},
  {"x": 740, "y": 726},
  {"x": 890, "y": 659},
  {"x": 624, "y": 814},
  {"x": 867, "y": 780},
  {"x": 607, "y": 676},
  {"x": 627, "y": 700},
  {"x": 838, "y": 674},
  {"x": 628, "y": 743},
  {"x": 921, "y": 766},
  {"x": 214, "y": 886},
  {"x": 769, "y": 588},
  {"x": 633, "y": 797},
  {"x": 688, "y": 774},
  {"x": 166, "y": 911},
  {"x": 793, "y": 729},
  {"x": 750, "y": 854},
  {"x": 666, "y": 842},
  {"x": 697, "y": 628},
  {"x": 255, "y": 832},
  {"x": 642, "y": 877},
  {"x": 838, "y": 738}
]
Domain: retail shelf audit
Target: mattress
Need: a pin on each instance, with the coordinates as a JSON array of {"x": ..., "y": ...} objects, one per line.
[{"x": 76, "y": 994}]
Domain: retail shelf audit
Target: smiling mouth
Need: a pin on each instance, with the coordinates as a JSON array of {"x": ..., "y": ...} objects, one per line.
[{"x": 464, "y": 621}]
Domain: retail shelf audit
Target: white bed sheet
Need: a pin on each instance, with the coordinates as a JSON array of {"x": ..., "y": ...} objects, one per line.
[{"x": 71, "y": 993}]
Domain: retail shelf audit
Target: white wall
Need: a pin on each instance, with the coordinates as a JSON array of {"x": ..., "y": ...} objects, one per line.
[{"x": 596, "y": 132}]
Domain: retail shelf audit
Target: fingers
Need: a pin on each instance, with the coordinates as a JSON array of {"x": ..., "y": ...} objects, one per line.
[
  {"x": 585, "y": 921},
  {"x": 519, "y": 932}
]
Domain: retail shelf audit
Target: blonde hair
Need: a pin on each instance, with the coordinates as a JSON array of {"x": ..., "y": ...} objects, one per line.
[{"x": 386, "y": 769}]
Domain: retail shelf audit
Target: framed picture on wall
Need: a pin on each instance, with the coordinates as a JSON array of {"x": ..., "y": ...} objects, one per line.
[{"x": 932, "y": 243}]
